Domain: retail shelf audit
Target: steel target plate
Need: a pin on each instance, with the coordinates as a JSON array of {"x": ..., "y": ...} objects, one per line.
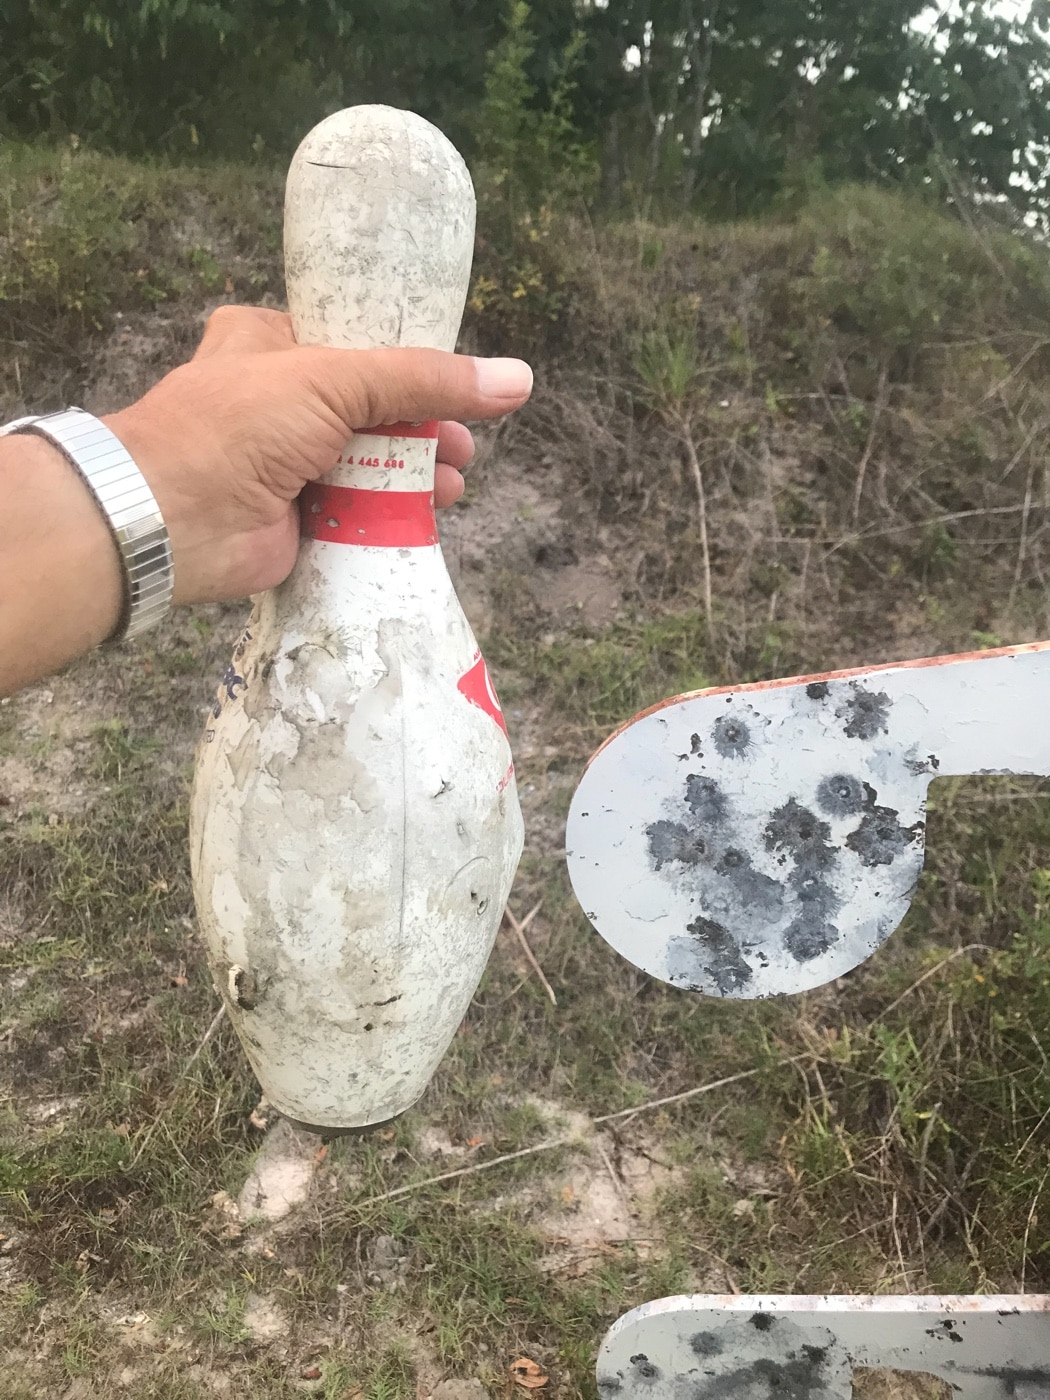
[
  {"x": 767, "y": 839},
  {"x": 786, "y": 1347}
]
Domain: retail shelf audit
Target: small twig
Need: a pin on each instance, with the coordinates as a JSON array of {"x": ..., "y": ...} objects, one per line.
[
  {"x": 1022, "y": 546},
  {"x": 1035, "y": 1130},
  {"x": 510, "y": 995},
  {"x": 869, "y": 446},
  {"x": 519, "y": 929},
  {"x": 617, "y": 1184},
  {"x": 873, "y": 534},
  {"x": 924, "y": 1146},
  {"x": 807, "y": 551},
  {"x": 205, "y": 1040},
  {"x": 694, "y": 1093},
  {"x": 208, "y": 1034},
  {"x": 731, "y": 1282},
  {"x": 1030, "y": 437},
  {"x": 1028, "y": 1226},
  {"x": 897, "y": 1239},
  {"x": 466, "y": 1171},
  {"x": 686, "y": 433},
  {"x": 1002, "y": 384},
  {"x": 932, "y": 972},
  {"x": 552, "y": 1143}
]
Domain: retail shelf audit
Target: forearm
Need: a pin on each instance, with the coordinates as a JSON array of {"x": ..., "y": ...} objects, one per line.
[
  {"x": 61, "y": 579},
  {"x": 226, "y": 443}
]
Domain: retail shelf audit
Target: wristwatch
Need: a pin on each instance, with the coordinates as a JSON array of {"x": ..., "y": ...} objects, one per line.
[{"x": 128, "y": 505}]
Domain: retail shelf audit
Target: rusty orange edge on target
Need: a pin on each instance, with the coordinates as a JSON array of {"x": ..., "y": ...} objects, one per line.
[{"x": 1025, "y": 649}]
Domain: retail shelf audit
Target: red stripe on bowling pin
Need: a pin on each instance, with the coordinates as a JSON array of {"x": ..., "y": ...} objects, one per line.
[
  {"x": 476, "y": 685},
  {"x": 352, "y": 515}
]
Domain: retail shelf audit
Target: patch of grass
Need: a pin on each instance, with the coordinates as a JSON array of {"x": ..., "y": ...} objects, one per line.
[
  {"x": 83, "y": 1345},
  {"x": 593, "y": 682},
  {"x": 814, "y": 1175},
  {"x": 82, "y": 875},
  {"x": 73, "y": 874},
  {"x": 892, "y": 1132},
  {"x": 392, "y": 1377},
  {"x": 923, "y": 1115},
  {"x": 120, "y": 755},
  {"x": 85, "y": 237},
  {"x": 41, "y": 953},
  {"x": 488, "y": 1294},
  {"x": 113, "y": 1192},
  {"x": 223, "y": 1320}
]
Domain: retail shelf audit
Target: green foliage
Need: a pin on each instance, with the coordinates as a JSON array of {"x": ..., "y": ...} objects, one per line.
[
  {"x": 528, "y": 154},
  {"x": 979, "y": 115},
  {"x": 603, "y": 681},
  {"x": 895, "y": 273},
  {"x": 506, "y": 125},
  {"x": 60, "y": 247},
  {"x": 667, "y": 363},
  {"x": 937, "y": 1095},
  {"x": 730, "y": 108},
  {"x": 529, "y": 162},
  {"x": 170, "y": 75},
  {"x": 224, "y": 1320},
  {"x": 85, "y": 238}
]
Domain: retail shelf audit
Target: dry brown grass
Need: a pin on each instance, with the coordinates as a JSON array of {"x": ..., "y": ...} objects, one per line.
[{"x": 874, "y": 463}]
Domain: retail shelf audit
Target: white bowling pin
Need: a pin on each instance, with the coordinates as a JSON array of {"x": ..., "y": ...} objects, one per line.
[{"x": 355, "y": 825}]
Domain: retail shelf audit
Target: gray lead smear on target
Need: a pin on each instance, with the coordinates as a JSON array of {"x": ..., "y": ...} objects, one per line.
[
  {"x": 793, "y": 1347},
  {"x": 767, "y": 840}
]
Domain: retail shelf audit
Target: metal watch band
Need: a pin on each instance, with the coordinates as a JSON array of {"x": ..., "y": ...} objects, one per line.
[{"x": 128, "y": 505}]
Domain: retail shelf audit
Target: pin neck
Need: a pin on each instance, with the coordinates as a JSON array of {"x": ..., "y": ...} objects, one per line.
[
  {"x": 380, "y": 493},
  {"x": 390, "y": 457}
]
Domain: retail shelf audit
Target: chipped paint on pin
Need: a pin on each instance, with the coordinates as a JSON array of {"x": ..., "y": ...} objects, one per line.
[{"x": 354, "y": 825}]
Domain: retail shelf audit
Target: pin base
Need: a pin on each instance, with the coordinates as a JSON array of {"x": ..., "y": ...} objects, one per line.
[{"x": 328, "y": 1133}]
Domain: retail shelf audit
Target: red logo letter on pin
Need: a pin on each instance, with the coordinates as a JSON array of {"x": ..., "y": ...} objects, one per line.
[{"x": 477, "y": 687}]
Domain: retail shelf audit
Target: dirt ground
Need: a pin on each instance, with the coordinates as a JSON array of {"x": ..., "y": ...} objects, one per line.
[
  {"x": 582, "y": 1209},
  {"x": 166, "y": 1235}
]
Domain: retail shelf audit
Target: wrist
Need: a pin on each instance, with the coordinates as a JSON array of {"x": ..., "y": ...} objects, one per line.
[
  {"x": 230, "y": 537},
  {"x": 61, "y": 578},
  {"x": 148, "y": 441},
  {"x": 126, "y": 505}
]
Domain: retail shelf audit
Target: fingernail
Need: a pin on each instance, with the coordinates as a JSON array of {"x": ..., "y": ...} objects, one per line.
[{"x": 503, "y": 379}]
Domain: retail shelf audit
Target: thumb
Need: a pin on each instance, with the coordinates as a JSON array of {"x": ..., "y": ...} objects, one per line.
[{"x": 368, "y": 387}]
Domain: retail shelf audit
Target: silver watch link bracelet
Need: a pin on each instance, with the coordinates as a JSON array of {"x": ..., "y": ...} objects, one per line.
[{"x": 127, "y": 504}]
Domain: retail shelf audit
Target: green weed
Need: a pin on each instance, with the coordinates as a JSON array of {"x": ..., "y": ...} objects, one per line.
[
  {"x": 85, "y": 238},
  {"x": 595, "y": 682},
  {"x": 892, "y": 1130}
]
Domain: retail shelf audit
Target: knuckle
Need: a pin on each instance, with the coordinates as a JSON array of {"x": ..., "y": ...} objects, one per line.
[{"x": 224, "y": 315}]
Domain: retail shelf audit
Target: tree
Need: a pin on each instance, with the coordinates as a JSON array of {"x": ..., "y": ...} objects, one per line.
[
  {"x": 231, "y": 76},
  {"x": 728, "y": 100},
  {"x": 170, "y": 74},
  {"x": 978, "y": 100},
  {"x": 719, "y": 104}
]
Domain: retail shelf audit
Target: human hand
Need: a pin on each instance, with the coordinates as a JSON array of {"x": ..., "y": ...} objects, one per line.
[{"x": 228, "y": 440}]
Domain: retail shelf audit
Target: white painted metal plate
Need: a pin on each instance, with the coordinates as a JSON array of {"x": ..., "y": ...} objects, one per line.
[
  {"x": 768, "y": 1347},
  {"x": 768, "y": 838}
]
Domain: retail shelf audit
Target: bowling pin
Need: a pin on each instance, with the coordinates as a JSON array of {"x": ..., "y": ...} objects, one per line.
[{"x": 354, "y": 824}]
